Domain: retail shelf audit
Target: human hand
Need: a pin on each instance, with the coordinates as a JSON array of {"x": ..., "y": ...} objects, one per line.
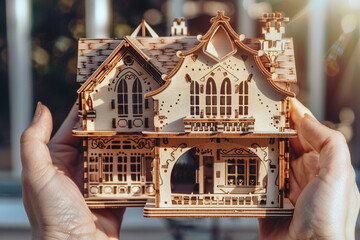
[
  {"x": 51, "y": 178},
  {"x": 322, "y": 184}
]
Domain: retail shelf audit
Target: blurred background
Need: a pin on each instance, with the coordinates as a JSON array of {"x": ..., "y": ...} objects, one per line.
[{"x": 38, "y": 58}]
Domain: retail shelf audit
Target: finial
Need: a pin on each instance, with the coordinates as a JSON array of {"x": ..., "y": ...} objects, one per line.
[{"x": 220, "y": 17}]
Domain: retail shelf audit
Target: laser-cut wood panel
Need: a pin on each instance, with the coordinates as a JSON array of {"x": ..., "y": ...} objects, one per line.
[{"x": 190, "y": 126}]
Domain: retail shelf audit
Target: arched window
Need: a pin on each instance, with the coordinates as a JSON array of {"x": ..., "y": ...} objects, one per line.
[
  {"x": 243, "y": 98},
  {"x": 194, "y": 99},
  {"x": 123, "y": 98},
  {"x": 211, "y": 97},
  {"x": 225, "y": 97},
  {"x": 137, "y": 100}
]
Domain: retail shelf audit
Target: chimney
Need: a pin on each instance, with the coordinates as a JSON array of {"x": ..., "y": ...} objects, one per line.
[
  {"x": 272, "y": 43},
  {"x": 179, "y": 27}
]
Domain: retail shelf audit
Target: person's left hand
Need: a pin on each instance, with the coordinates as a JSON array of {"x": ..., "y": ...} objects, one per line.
[{"x": 52, "y": 177}]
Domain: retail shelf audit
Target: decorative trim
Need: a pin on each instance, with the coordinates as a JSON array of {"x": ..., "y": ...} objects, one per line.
[
  {"x": 181, "y": 146},
  {"x": 237, "y": 152},
  {"x": 143, "y": 143},
  {"x": 99, "y": 143},
  {"x": 265, "y": 159}
]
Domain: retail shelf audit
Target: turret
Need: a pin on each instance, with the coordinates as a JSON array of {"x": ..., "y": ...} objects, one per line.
[
  {"x": 179, "y": 27},
  {"x": 273, "y": 45}
]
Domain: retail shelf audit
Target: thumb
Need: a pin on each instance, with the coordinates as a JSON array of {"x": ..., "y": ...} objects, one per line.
[{"x": 35, "y": 154}]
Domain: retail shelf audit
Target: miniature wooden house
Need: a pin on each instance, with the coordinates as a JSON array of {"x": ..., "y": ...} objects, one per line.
[{"x": 191, "y": 126}]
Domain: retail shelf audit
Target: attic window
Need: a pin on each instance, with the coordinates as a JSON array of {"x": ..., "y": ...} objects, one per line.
[{"x": 220, "y": 45}]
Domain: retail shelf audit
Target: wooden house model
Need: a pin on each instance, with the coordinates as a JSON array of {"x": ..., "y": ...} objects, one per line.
[{"x": 192, "y": 126}]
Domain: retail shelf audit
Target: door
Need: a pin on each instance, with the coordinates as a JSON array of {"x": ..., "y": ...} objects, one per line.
[{"x": 208, "y": 174}]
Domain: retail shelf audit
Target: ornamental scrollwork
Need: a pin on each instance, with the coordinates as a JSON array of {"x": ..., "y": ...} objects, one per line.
[
  {"x": 257, "y": 147},
  {"x": 143, "y": 143},
  {"x": 99, "y": 143},
  {"x": 180, "y": 147},
  {"x": 237, "y": 152}
]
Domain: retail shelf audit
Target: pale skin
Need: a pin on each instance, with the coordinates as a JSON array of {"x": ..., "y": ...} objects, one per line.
[{"x": 322, "y": 181}]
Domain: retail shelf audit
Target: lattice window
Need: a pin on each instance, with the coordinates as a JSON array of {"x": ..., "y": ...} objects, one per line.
[
  {"x": 211, "y": 97},
  {"x": 135, "y": 168},
  {"x": 123, "y": 98},
  {"x": 122, "y": 168},
  {"x": 242, "y": 171},
  {"x": 243, "y": 98},
  {"x": 194, "y": 98},
  {"x": 137, "y": 99},
  {"x": 225, "y": 97},
  {"x": 93, "y": 169},
  {"x": 107, "y": 169}
]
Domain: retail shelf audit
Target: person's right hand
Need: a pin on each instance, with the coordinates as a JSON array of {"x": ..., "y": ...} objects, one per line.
[{"x": 322, "y": 184}]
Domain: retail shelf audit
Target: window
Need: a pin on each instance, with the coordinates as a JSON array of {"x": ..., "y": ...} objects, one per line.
[
  {"x": 225, "y": 97},
  {"x": 137, "y": 99},
  {"x": 122, "y": 98},
  {"x": 107, "y": 169},
  {"x": 211, "y": 98},
  {"x": 135, "y": 168},
  {"x": 122, "y": 162},
  {"x": 194, "y": 99},
  {"x": 93, "y": 169},
  {"x": 243, "y": 98},
  {"x": 242, "y": 171}
]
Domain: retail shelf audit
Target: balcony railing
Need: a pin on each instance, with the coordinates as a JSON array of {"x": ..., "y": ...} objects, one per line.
[
  {"x": 245, "y": 125},
  {"x": 218, "y": 200}
]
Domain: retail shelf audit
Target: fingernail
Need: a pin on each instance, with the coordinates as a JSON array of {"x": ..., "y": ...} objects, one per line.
[{"x": 37, "y": 111}]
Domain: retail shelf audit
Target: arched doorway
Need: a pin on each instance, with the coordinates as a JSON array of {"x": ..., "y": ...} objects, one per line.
[{"x": 184, "y": 173}]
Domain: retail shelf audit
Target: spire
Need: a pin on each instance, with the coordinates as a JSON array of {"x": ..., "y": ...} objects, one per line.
[{"x": 143, "y": 26}]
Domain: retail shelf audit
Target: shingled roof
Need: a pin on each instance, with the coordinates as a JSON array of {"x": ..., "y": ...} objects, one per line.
[
  {"x": 91, "y": 54},
  {"x": 161, "y": 53}
]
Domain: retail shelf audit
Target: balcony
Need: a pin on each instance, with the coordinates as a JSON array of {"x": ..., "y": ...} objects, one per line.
[{"x": 244, "y": 125}]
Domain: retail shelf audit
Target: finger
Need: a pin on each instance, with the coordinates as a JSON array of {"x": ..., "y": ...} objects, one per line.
[
  {"x": 334, "y": 153},
  {"x": 34, "y": 151},
  {"x": 298, "y": 111},
  {"x": 64, "y": 134}
]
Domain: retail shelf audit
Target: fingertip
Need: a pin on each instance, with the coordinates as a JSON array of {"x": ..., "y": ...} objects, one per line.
[
  {"x": 41, "y": 126},
  {"x": 298, "y": 108}
]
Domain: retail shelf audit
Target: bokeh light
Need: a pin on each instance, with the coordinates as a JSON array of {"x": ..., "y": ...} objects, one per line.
[
  {"x": 349, "y": 22},
  {"x": 153, "y": 16},
  {"x": 256, "y": 10},
  {"x": 120, "y": 30},
  {"x": 347, "y": 116}
]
